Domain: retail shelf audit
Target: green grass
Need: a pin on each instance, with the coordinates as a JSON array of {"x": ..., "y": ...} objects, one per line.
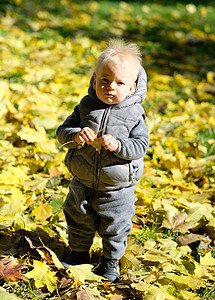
[
  {"x": 208, "y": 293},
  {"x": 153, "y": 232},
  {"x": 204, "y": 137}
]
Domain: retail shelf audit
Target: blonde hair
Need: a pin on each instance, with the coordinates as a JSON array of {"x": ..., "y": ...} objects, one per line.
[{"x": 118, "y": 48}]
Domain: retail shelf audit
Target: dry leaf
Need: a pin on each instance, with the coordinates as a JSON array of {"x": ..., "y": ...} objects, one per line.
[
  {"x": 83, "y": 295},
  {"x": 4, "y": 295},
  {"x": 191, "y": 238},
  {"x": 9, "y": 270},
  {"x": 116, "y": 297}
]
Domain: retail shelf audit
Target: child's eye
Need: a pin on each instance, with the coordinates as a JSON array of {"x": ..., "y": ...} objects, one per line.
[
  {"x": 120, "y": 83},
  {"x": 105, "y": 80}
]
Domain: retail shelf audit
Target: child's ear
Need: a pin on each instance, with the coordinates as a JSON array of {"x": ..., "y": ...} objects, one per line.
[
  {"x": 94, "y": 81},
  {"x": 133, "y": 87}
]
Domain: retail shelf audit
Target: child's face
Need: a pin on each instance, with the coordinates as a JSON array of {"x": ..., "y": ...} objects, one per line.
[{"x": 113, "y": 81}]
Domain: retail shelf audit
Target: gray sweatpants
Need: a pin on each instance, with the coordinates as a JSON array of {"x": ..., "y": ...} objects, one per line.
[{"x": 107, "y": 212}]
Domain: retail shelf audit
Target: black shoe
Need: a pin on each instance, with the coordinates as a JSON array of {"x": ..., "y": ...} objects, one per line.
[
  {"x": 107, "y": 268},
  {"x": 76, "y": 258}
]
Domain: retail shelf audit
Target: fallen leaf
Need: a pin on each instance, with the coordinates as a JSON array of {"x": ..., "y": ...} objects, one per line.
[
  {"x": 185, "y": 282},
  {"x": 210, "y": 229},
  {"x": 129, "y": 261},
  {"x": 116, "y": 297},
  {"x": 207, "y": 260},
  {"x": 154, "y": 255},
  {"x": 191, "y": 238},
  {"x": 4, "y": 295},
  {"x": 198, "y": 211},
  {"x": 42, "y": 212},
  {"x": 43, "y": 276},
  {"x": 141, "y": 286},
  {"x": 83, "y": 295},
  {"x": 81, "y": 273},
  {"x": 156, "y": 293},
  {"x": 9, "y": 270},
  {"x": 176, "y": 222}
]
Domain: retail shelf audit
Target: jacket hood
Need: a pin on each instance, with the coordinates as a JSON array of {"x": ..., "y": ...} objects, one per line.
[{"x": 138, "y": 96}]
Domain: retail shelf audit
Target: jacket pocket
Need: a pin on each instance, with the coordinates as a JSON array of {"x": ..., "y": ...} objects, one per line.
[{"x": 135, "y": 170}]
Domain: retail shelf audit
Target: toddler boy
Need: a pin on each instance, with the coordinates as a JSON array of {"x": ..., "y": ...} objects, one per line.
[{"x": 106, "y": 139}]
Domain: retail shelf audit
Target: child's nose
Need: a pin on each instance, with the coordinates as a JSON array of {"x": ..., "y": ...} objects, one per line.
[{"x": 112, "y": 85}]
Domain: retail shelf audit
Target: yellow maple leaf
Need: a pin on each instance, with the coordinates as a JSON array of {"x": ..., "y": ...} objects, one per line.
[
  {"x": 156, "y": 256},
  {"x": 96, "y": 144},
  {"x": 13, "y": 175},
  {"x": 207, "y": 260},
  {"x": 31, "y": 135},
  {"x": 17, "y": 196},
  {"x": 42, "y": 275},
  {"x": 171, "y": 161},
  {"x": 202, "y": 271},
  {"x": 39, "y": 183},
  {"x": 182, "y": 281},
  {"x": 80, "y": 273},
  {"x": 13, "y": 203},
  {"x": 140, "y": 286},
  {"x": 42, "y": 212},
  {"x": 198, "y": 211},
  {"x": 155, "y": 293}
]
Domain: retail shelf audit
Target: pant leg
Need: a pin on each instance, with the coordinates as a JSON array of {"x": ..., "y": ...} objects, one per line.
[
  {"x": 115, "y": 209},
  {"x": 80, "y": 216}
]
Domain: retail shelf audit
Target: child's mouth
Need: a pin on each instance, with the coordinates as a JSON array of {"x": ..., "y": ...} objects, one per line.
[{"x": 109, "y": 95}]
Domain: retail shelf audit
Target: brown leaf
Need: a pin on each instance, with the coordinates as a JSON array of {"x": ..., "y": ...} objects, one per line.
[
  {"x": 82, "y": 295},
  {"x": 191, "y": 238},
  {"x": 10, "y": 271},
  {"x": 65, "y": 283},
  {"x": 116, "y": 297},
  {"x": 176, "y": 221}
]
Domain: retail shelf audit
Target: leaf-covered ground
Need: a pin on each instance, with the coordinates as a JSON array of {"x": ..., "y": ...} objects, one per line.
[{"x": 48, "y": 51}]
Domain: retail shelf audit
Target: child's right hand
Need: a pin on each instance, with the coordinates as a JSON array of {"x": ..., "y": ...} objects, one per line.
[{"x": 85, "y": 135}]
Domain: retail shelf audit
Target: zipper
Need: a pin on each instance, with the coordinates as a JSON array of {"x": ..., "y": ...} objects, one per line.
[
  {"x": 102, "y": 125},
  {"x": 98, "y": 156}
]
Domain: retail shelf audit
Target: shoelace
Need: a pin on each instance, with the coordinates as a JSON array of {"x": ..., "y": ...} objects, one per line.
[{"x": 112, "y": 263}]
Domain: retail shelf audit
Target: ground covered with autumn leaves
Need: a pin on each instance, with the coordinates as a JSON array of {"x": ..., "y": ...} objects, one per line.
[{"x": 48, "y": 51}]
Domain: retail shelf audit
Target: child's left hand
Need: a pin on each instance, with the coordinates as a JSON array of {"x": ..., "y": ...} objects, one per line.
[{"x": 109, "y": 142}]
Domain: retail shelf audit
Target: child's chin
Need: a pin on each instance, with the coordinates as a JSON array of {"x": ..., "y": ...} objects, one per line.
[{"x": 110, "y": 101}]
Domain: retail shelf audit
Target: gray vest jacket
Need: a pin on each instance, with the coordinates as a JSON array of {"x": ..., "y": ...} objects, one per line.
[{"x": 105, "y": 170}]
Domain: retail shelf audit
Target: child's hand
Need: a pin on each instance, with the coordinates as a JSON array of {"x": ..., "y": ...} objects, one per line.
[
  {"x": 109, "y": 142},
  {"x": 85, "y": 135}
]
